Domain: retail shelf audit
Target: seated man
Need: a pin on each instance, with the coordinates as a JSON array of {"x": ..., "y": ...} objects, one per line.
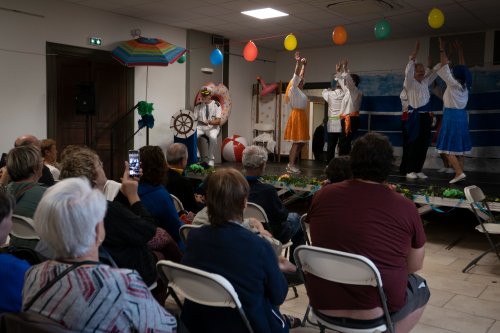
[
  {"x": 176, "y": 183},
  {"x": 383, "y": 226},
  {"x": 208, "y": 113},
  {"x": 284, "y": 225}
]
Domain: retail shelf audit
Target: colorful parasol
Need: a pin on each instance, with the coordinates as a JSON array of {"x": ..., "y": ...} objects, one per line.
[{"x": 144, "y": 51}]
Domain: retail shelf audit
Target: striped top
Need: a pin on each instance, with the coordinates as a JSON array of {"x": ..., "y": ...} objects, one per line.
[{"x": 96, "y": 299}]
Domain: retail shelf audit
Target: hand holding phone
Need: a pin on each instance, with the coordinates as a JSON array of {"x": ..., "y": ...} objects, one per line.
[{"x": 134, "y": 163}]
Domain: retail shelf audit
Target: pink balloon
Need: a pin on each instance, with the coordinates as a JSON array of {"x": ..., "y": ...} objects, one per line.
[{"x": 250, "y": 51}]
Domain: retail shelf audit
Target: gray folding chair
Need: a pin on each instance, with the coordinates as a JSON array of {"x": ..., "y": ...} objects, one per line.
[
  {"x": 201, "y": 287},
  {"x": 184, "y": 231},
  {"x": 487, "y": 223},
  {"x": 345, "y": 268},
  {"x": 23, "y": 227},
  {"x": 305, "y": 228},
  {"x": 177, "y": 203}
]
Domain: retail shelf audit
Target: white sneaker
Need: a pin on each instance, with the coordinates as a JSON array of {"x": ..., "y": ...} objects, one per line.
[
  {"x": 411, "y": 175},
  {"x": 421, "y": 175},
  {"x": 458, "y": 178},
  {"x": 450, "y": 170},
  {"x": 211, "y": 163},
  {"x": 292, "y": 169},
  {"x": 443, "y": 169}
]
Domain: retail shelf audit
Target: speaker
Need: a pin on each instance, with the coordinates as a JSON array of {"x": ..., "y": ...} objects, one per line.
[{"x": 85, "y": 98}]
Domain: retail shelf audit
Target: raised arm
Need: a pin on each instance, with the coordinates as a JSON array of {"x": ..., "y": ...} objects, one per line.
[
  {"x": 443, "y": 58},
  {"x": 413, "y": 55},
  {"x": 298, "y": 64},
  {"x": 303, "y": 61}
]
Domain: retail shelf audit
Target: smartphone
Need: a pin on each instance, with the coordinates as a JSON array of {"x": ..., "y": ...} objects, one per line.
[
  {"x": 3, "y": 161},
  {"x": 133, "y": 163}
]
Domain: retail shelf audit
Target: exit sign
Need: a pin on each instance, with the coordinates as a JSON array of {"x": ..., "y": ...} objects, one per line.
[{"x": 95, "y": 41}]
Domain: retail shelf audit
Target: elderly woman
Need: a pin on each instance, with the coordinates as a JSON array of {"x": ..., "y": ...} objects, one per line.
[
  {"x": 283, "y": 224},
  {"x": 13, "y": 269},
  {"x": 69, "y": 219},
  {"x": 154, "y": 195},
  {"x": 225, "y": 247}
]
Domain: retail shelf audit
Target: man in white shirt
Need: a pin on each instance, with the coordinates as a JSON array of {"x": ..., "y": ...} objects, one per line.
[
  {"x": 334, "y": 99},
  {"x": 208, "y": 113}
]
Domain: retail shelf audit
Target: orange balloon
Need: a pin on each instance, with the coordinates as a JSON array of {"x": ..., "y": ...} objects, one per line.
[
  {"x": 250, "y": 51},
  {"x": 339, "y": 35}
]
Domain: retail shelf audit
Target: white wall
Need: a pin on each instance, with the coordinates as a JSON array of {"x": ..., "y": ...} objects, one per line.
[
  {"x": 23, "y": 63},
  {"x": 242, "y": 75}
]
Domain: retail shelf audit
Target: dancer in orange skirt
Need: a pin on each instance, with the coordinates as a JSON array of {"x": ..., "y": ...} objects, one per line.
[{"x": 297, "y": 129}]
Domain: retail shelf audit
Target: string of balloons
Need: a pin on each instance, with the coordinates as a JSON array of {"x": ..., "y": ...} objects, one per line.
[{"x": 382, "y": 30}]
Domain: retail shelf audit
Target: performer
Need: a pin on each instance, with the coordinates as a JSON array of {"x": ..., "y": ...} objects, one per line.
[
  {"x": 208, "y": 114},
  {"x": 418, "y": 125},
  {"x": 334, "y": 128},
  {"x": 349, "y": 110},
  {"x": 296, "y": 130},
  {"x": 454, "y": 139},
  {"x": 404, "y": 118}
]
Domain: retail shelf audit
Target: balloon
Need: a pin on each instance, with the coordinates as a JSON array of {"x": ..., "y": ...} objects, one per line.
[
  {"x": 290, "y": 42},
  {"x": 250, "y": 51},
  {"x": 435, "y": 18},
  {"x": 382, "y": 29},
  {"x": 182, "y": 59},
  {"x": 339, "y": 35},
  {"x": 216, "y": 57}
]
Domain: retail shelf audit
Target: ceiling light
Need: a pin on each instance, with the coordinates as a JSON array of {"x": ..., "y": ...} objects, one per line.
[{"x": 264, "y": 13}]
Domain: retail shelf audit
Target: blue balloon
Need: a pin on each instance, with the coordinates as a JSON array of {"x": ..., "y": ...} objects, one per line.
[
  {"x": 216, "y": 57},
  {"x": 382, "y": 29}
]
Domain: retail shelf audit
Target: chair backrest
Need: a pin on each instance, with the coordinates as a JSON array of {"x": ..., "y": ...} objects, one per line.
[
  {"x": 201, "y": 287},
  {"x": 303, "y": 225},
  {"x": 341, "y": 267},
  {"x": 184, "y": 231},
  {"x": 256, "y": 211},
  {"x": 264, "y": 127},
  {"x": 178, "y": 204},
  {"x": 29, "y": 322},
  {"x": 23, "y": 227},
  {"x": 477, "y": 200}
]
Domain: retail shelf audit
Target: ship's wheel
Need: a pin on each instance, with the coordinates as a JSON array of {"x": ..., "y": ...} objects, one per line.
[{"x": 183, "y": 124}]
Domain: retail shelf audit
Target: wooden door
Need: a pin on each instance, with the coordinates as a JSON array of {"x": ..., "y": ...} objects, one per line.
[{"x": 106, "y": 127}]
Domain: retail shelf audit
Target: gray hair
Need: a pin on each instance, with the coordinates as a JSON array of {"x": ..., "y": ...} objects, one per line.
[
  {"x": 176, "y": 153},
  {"x": 23, "y": 162},
  {"x": 254, "y": 157},
  {"x": 67, "y": 216}
]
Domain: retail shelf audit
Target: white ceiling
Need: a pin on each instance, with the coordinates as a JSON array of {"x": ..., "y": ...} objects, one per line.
[{"x": 311, "y": 21}]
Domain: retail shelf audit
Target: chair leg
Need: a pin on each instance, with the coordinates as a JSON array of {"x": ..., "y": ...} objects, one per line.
[
  {"x": 476, "y": 260},
  {"x": 306, "y": 316},
  {"x": 170, "y": 291},
  {"x": 295, "y": 291}
]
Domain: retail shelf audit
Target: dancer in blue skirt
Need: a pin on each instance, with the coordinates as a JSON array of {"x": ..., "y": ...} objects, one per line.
[{"x": 454, "y": 139}]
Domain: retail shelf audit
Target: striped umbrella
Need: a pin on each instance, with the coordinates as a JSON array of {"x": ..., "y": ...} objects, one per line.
[{"x": 147, "y": 52}]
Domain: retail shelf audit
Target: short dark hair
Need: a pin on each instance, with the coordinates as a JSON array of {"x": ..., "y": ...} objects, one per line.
[
  {"x": 227, "y": 191},
  {"x": 7, "y": 204},
  {"x": 339, "y": 169},
  {"x": 372, "y": 157},
  {"x": 153, "y": 164}
]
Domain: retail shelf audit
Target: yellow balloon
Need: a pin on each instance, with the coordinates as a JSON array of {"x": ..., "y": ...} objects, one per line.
[
  {"x": 290, "y": 42},
  {"x": 435, "y": 18}
]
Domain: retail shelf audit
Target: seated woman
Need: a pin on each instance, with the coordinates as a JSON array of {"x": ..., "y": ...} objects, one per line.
[
  {"x": 13, "y": 269},
  {"x": 154, "y": 195},
  {"x": 223, "y": 247},
  {"x": 69, "y": 219},
  {"x": 49, "y": 154},
  {"x": 24, "y": 166}
]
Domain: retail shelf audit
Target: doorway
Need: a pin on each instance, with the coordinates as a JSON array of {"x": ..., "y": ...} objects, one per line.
[{"x": 88, "y": 98}]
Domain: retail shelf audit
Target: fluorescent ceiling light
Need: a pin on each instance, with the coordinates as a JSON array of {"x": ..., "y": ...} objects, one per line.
[{"x": 264, "y": 13}]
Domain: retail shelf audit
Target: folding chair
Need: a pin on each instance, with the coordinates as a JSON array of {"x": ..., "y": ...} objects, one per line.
[
  {"x": 178, "y": 204},
  {"x": 256, "y": 211},
  {"x": 345, "y": 268},
  {"x": 184, "y": 231},
  {"x": 201, "y": 287},
  {"x": 304, "y": 227},
  {"x": 487, "y": 223},
  {"x": 23, "y": 227}
]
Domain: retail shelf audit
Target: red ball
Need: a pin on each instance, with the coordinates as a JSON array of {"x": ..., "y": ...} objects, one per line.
[{"x": 232, "y": 148}]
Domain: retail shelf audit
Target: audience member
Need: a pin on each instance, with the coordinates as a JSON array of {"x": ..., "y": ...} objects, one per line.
[
  {"x": 223, "y": 248},
  {"x": 49, "y": 154},
  {"x": 69, "y": 220},
  {"x": 154, "y": 195},
  {"x": 176, "y": 183},
  {"x": 384, "y": 226},
  {"x": 284, "y": 225},
  {"x": 46, "y": 179},
  {"x": 13, "y": 269},
  {"x": 339, "y": 169}
]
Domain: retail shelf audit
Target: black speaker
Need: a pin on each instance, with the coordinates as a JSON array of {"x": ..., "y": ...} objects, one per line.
[{"x": 85, "y": 98}]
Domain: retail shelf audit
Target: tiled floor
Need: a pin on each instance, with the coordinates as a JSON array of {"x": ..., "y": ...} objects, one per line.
[{"x": 460, "y": 302}]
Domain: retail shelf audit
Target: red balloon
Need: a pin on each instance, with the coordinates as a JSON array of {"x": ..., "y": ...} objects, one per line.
[
  {"x": 339, "y": 35},
  {"x": 250, "y": 51}
]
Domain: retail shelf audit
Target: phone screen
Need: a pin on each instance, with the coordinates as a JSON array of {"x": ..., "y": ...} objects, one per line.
[{"x": 133, "y": 163}]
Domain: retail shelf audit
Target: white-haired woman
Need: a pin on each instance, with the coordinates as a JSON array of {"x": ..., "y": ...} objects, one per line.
[{"x": 75, "y": 289}]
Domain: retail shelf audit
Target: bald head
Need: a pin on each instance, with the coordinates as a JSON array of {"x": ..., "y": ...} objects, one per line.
[
  {"x": 27, "y": 139},
  {"x": 177, "y": 155}
]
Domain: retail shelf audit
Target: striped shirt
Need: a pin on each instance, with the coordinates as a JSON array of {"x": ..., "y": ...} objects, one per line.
[{"x": 96, "y": 299}]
